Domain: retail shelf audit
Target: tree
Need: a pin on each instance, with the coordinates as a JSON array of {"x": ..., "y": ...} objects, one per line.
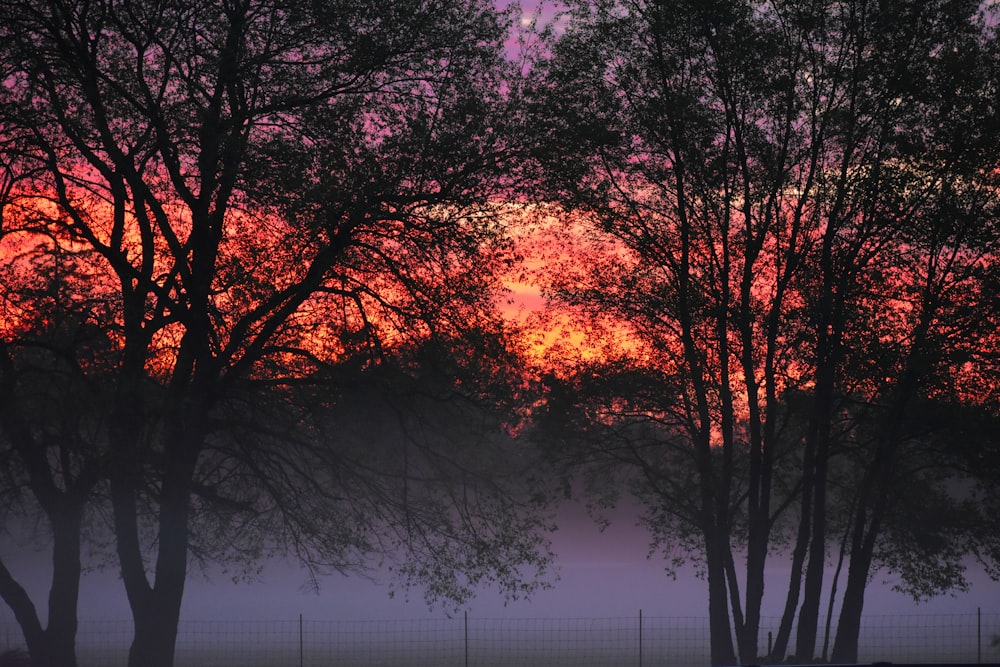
[
  {"x": 266, "y": 192},
  {"x": 760, "y": 170},
  {"x": 58, "y": 360},
  {"x": 946, "y": 257}
]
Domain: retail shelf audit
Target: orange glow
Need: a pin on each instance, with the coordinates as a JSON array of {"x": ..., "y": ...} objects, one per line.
[
  {"x": 553, "y": 247},
  {"x": 394, "y": 275},
  {"x": 554, "y": 258}
]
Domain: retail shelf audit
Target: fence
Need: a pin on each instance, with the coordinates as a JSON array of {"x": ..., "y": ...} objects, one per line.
[{"x": 625, "y": 641}]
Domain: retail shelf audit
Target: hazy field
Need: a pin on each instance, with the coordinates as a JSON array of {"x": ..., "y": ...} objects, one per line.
[{"x": 513, "y": 642}]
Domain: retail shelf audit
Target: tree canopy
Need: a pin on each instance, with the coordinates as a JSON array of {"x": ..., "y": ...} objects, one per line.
[
  {"x": 801, "y": 202},
  {"x": 225, "y": 222}
]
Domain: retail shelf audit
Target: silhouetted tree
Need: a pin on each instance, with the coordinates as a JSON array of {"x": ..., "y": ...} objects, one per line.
[
  {"x": 773, "y": 182},
  {"x": 53, "y": 360},
  {"x": 268, "y": 191}
]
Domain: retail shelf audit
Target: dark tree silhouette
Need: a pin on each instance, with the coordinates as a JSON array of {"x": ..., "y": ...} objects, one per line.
[
  {"x": 789, "y": 193},
  {"x": 50, "y": 392},
  {"x": 271, "y": 201}
]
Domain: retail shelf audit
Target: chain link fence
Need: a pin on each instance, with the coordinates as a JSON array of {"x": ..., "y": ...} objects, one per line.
[{"x": 624, "y": 641}]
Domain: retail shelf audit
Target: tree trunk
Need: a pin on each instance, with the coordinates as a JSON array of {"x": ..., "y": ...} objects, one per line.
[
  {"x": 720, "y": 628},
  {"x": 156, "y": 609},
  {"x": 754, "y": 597},
  {"x": 805, "y": 641},
  {"x": 873, "y": 497},
  {"x": 833, "y": 594},
  {"x": 758, "y": 510},
  {"x": 154, "y": 592},
  {"x": 845, "y": 646},
  {"x": 798, "y": 560},
  {"x": 155, "y": 639},
  {"x": 865, "y": 533},
  {"x": 24, "y": 610},
  {"x": 828, "y": 322},
  {"x": 55, "y": 645},
  {"x": 64, "y": 595}
]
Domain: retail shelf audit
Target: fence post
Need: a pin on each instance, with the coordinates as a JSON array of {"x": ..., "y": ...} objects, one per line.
[
  {"x": 466, "y": 638},
  {"x": 640, "y": 638},
  {"x": 301, "y": 651},
  {"x": 979, "y": 634}
]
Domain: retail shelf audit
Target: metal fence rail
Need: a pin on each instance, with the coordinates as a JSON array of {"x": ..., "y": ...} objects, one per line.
[{"x": 621, "y": 641}]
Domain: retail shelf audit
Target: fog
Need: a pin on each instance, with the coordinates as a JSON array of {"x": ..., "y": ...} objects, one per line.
[{"x": 601, "y": 574}]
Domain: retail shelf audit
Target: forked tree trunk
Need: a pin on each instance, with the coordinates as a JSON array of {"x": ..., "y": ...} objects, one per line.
[
  {"x": 156, "y": 609},
  {"x": 780, "y": 646},
  {"x": 155, "y": 592},
  {"x": 833, "y": 596},
  {"x": 54, "y": 645},
  {"x": 867, "y": 524},
  {"x": 845, "y": 646}
]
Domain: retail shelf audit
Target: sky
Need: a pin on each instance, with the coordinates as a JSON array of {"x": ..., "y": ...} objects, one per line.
[{"x": 531, "y": 12}]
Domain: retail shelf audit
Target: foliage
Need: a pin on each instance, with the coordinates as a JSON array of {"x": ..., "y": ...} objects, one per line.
[
  {"x": 266, "y": 209},
  {"x": 802, "y": 206}
]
